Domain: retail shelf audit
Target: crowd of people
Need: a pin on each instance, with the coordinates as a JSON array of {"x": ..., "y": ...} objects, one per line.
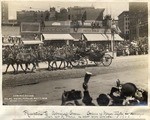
[
  {"x": 126, "y": 94},
  {"x": 127, "y": 48},
  {"x": 43, "y": 50}
]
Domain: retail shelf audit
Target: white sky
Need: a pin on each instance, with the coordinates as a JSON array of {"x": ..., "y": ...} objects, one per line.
[{"x": 113, "y": 8}]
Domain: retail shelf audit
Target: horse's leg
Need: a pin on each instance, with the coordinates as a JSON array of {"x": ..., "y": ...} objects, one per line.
[
  {"x": 60, "y": 64},
  {"x": 13, "y": 68},
  {"x": 22, "y": 68},
  {"x": 6, "y": 68},
  {"x": 36, "y": 63},
  {"x": 26, "y": 67},
  {"x": 54, "y": 62},
  {"x": 34, "y": 67},
  {"x": 17, "y": 67},
  {"x": 49, "y": 66},
  {"x": 69, "y": 63},
  {"x": 56, "y": 65},
  {"x": 64, "y": 64}
]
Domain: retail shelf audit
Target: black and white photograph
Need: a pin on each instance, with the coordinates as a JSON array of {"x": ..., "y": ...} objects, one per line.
[{"x": 74, "y": 53}]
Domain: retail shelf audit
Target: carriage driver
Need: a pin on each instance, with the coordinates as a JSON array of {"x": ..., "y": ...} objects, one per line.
[{"x": 82, "y": 45}]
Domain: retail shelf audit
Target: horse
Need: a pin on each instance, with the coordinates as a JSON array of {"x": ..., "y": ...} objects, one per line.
[
  {"x": 26, "y": 58},
  {"x": 59, "y": 55},
  {"x": 49, "y": 59},
  {"x": 9, "y": 60},
  {"x": 71, "y": 56}
]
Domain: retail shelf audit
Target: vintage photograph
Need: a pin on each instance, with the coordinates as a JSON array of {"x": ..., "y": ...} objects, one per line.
[{"x": 74, "y": 53}]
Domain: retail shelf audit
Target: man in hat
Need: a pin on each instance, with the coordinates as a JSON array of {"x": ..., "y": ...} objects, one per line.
[{"x": 127, "y": 94}]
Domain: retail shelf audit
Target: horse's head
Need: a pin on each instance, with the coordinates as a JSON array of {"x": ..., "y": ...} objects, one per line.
[{"x": 11, "y": 56}]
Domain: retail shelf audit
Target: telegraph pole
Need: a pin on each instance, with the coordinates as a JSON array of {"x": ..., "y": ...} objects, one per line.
[
  {"x": 112, "y": 43},
  {"x": 137, "y": 29},
  {"x": 112, "y": 39}
]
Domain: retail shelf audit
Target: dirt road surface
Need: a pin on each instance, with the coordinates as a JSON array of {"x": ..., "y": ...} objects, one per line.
[{"x": 48, "y": 86}]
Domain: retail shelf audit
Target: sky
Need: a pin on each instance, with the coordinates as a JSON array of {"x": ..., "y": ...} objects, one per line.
[{"x": 113, "y": 8}]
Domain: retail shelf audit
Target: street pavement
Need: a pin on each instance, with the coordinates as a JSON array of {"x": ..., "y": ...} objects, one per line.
[{"x": 127, "y": 69}]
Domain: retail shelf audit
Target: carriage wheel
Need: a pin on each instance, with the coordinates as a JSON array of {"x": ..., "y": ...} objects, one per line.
[
  {"x": 106, "y": 60},
  {"x": 82, "y": 62},
  {"x": 75, "y": 63}
]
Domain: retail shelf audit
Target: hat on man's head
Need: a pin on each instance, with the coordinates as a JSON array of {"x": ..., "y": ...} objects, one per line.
[
  {"x": 103, "y": 100},
  {"x": 128, "y": 89}
]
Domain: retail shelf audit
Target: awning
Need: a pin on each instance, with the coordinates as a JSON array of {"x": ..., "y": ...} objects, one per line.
[
  {"x": 58, "y": 37},
  {"x": 7, "y": 44},
  {"x": 31, "y": 42},
  {"x": 102, "y": 37},
  {"x": 95, "y": 37},
  {"x": 116, "y": 37}
]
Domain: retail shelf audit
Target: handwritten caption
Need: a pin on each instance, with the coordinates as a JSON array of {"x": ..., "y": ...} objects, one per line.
[{"x": 86, "y": 115}]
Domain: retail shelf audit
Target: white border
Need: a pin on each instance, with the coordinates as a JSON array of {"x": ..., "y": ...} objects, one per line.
[{"x": 12, "y": 112}]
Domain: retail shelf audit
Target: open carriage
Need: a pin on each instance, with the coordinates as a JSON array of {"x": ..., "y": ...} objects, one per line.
[{"x": 97, "y": 57}]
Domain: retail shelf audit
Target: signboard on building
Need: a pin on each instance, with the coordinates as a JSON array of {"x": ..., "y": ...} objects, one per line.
[
  {"x": 56, "y": 29},
  {"x": 27, "y": 27},
  {"x": 63, "y": 30},
  {"x": 90, "y": 30}
]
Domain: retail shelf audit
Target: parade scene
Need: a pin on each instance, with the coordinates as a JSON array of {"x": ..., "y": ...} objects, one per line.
[{"x": 89, "y": 55}]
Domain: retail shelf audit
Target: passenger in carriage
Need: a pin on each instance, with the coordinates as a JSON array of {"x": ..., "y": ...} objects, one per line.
[{"x": 94, "y": 48}]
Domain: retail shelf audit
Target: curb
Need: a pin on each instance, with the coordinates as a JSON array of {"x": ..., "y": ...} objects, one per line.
[{"x": 20, "y": 79}]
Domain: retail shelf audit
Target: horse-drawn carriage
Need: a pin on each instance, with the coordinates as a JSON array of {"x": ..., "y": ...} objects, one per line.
[
  {"x": 54, "y": 57},
  {"x": 97, "y": 57}
]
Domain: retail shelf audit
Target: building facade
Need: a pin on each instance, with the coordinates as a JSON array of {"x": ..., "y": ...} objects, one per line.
[
  {"x": 123, "y": 23},
  {"x": 4, "y": 11},
  {"x": 80, "y": 13},
  {"x": 138, "y": 14},
  {"x": 32, "y": 16}
]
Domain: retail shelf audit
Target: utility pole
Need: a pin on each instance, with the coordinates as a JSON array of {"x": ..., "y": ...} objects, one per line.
[
  {"x": 137, "y": 29},
  {"x": 112, "y": 37}
]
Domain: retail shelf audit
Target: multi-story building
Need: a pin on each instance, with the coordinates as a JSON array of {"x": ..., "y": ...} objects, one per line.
[
  {"x": 77, "y": 13},
  {"x": 26, "y": 16},
  {"x": 138, "y": 14},
  {"x": 32, "y": 16},
  {"x": 4, "y": 11},
  {"x": 123, "y": 23}
]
